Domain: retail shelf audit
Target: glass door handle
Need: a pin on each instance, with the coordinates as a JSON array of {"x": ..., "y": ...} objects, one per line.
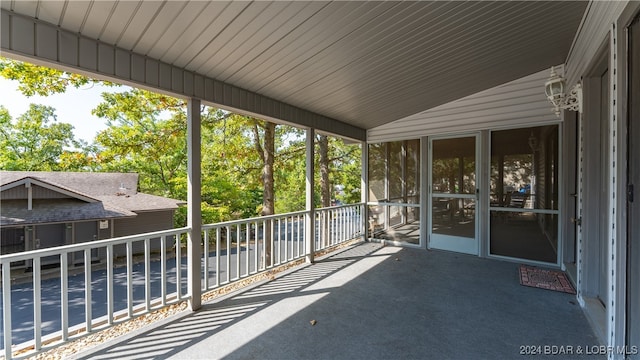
[{"x": 577, "y": 221}]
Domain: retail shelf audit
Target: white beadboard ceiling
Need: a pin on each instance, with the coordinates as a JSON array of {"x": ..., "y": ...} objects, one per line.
[{"x": 364, "y": 63}]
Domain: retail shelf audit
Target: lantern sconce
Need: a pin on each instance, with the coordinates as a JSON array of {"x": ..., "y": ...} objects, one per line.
[{"x": 554, "y": 88}]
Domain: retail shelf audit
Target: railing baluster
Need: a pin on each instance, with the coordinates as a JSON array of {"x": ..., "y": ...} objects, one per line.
[
  {"x": 205, "y": 272},
  {"x": 6, "y": 313},
  {"x": 218, "y": 238},
  {"x": 340, "y": 225},
  {"x": 178, "y": 267},
  {"x": 299, "y": 236},
  {"x": 263, "y": 257},
  {"x": 147, "y": 273},
  {"x": 37, "y": 306},
  {"x": 64, "y": 296},
  {"x": 238, "y": 252},
  {"x": 337, "y": 225},
  {"x": 64, "y": 254},
  {"x": 248, "y": 252},
  {"x": 87, "y": 289},
  {"x": 286, "y": 239},
  {"x": 279, "y": 243},
  {"x": 163, "y": 270},
  {"x": 130, "y": 279},
  {"x": 272, "y": 232},
  {"x": 255, "y": 247},
  {"x": 110, "y": 284},
  {"x": 327, "y": 228},
  {"x": 228, "y": 258}
]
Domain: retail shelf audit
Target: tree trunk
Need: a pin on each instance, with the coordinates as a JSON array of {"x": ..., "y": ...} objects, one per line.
[
  {"x": 266, "y": 149},
  {"x": 325, "y": 187}
]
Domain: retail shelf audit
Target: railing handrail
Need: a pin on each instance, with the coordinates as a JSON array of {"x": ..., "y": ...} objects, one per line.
[
  {"x": 253, "y": 219},
  {"x": 337, "y": 224},
  {"x": 27, "y": 255},
  {"x": 269, "y": 217},
  {"x": 339, "y": 206},
  {"x": 378, "y": 203}
]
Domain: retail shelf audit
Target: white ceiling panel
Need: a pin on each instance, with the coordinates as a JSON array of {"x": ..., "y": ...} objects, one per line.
[
  {"x": 24, "y": 7},
  {"x": 97, "y": 19},
  {"x": 160, "y": 24},
  {"x": 364, "y": 63},
  {"x": 235, "y": 31},
  {"x": 286, "y": 21},
  {"x": 51, "y": 11},
  {"x": 139, "y": 25},
  {"x": 216, "y": 24},
  {"x": 175, "y": 30},
  {"x": 119, "y": 21},
  {"x": 74, "y": 15}
]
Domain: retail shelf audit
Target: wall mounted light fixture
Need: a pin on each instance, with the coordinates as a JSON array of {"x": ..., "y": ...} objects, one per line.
[{"x": 554, "y": 88}]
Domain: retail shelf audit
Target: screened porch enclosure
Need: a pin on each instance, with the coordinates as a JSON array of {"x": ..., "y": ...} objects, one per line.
[
  {"x": 524, "y": 193},
  {"x": 394, "y": 191},
  {"x": 517, "y": 219}
]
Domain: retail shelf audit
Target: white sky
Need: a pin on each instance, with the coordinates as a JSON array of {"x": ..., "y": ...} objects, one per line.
[{"x": 73, "y": 107}]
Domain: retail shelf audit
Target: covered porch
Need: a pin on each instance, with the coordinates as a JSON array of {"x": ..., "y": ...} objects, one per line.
[
  {"x": 371, "y": 301},
  {"x": 408, "y": 79}
]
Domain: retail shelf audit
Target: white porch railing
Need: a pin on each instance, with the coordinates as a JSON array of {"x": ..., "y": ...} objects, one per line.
[
  {"x": 249, "y": 246},
  {"x": 51, "y": 307}
]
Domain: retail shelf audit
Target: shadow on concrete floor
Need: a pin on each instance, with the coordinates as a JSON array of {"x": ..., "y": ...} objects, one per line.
[{"x": 372, "y": 302}]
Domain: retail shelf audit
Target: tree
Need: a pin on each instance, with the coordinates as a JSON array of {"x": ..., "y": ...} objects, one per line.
[
  {"x": 249, "y": 166},
  {"x": 339, "y": 169},
  {"x": 42, "y": 80},
  {"x": 37, "y": 142},
  {"x": 140, "y": 139},
  {"x": 325, "y": 184}
]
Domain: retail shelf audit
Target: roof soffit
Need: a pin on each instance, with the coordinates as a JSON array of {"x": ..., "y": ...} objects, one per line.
[{"x": 363, "y": 63}]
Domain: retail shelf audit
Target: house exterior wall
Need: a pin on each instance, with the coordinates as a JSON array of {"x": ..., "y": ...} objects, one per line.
[
  {"x": 143, "y": 223},
  {"x": 38, "y": 192},
  {"x": 603, "y": 33},
  {"x": 592, "y": 33},
  {"x": 520, "y": 103}
]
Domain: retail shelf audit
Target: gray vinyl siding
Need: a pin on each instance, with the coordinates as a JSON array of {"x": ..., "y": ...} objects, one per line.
[
  {"x": 143, "y": 223},
  {"x": 520, "y": 103},
  {"x": 37, "y": 192},
  {"x": 591, "y": 35}
]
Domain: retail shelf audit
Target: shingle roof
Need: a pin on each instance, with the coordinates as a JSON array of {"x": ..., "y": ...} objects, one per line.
[
  {"x": 14, "y": 212},
  {"x": 116, "y": 193}
]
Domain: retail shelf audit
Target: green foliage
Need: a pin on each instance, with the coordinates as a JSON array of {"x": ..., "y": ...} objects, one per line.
[
  {"x": 37, "y": 142},
  {"x": 41, "y": 80},
  {"x": 140, "y": 140},
  {"x": 247, "y": 166}
]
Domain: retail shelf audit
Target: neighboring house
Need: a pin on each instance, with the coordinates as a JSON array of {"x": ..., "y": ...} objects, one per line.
[{"x": 46, "y": 209}]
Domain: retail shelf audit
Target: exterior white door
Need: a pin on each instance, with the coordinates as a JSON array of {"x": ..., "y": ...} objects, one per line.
[{"x": 453, "y": 165}]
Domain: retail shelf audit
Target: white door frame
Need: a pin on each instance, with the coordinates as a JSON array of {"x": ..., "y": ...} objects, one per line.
[{"x": 457, "y": 244}]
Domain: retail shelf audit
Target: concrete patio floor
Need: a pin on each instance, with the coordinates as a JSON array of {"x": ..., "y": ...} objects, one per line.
[{"x": 373, "y": 302}]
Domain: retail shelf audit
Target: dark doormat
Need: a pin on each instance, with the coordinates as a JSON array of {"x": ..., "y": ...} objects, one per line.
[{"x": 545, "y": 279}]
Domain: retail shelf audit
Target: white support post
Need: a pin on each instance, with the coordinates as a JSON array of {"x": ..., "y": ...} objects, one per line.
[
  {"x": 364, "y": 190},
  {"x": 29, "y": 195},
  {"x": 194, "y": 215},
  {"x": 6, "y": 314},
  {"x": 310, "y": 216}
]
